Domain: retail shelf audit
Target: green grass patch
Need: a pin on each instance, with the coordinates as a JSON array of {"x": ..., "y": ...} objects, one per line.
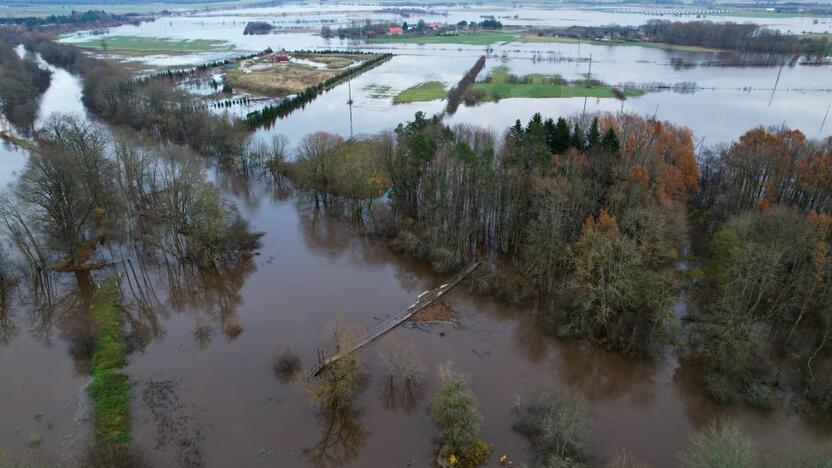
[
  {"x": 500, "y": 84},
  {"x": 428, "y": 91},
  {"x": 110, "y": 390},
  {"x": 468, "y": 39},
  {"x": 496, "y": 91},
  {"x": 154, "y": 44}
]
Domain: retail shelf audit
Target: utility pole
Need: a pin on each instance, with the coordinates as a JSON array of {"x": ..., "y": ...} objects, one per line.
[
  {"x": 589, "y": 72},
  {"x": 349, "y": 89},
  {"x": 775, "y": 85}
]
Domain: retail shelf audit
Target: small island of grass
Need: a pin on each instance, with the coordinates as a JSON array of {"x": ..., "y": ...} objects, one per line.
[
  {"x": 428, "y": 91},
  {"x": 500, "y": 84}
]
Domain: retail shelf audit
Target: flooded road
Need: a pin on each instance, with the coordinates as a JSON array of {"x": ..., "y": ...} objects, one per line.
[{"x": 203, "y": 348}]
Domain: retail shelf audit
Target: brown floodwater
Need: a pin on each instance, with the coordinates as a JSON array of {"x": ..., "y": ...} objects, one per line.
[{"x": 206, "y": 393}]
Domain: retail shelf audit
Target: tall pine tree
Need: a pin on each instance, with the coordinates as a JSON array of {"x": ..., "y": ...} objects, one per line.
[{"x": 561, "y": 138}]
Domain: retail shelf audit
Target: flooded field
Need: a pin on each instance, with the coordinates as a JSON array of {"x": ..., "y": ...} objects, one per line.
[{"x": 203, "y": 348}]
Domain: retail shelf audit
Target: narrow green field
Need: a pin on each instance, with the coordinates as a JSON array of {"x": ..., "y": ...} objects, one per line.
[
  {"x": 428, "y": 91},
  {"x": 467, "y": 39},
  {"x": 496, "y": 91},
  {"x": 154, "y": 44},
  {"x": 110, "y": 389},
  {"x": 500, "y": 84}
]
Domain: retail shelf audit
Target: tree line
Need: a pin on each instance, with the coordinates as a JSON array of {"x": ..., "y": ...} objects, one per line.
[
  {"x": 22, "y": 83},
  {"x": 456, "y": 93},
  {"x": 83, "y": 192},
  {"x": 746, "y": 37},
  {"x": 152, "y": 107}
]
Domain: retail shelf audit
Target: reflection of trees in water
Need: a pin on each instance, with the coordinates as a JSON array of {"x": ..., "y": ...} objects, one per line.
[
  {"x": 405, "y": 396},
  {"x": 211, "y": 296},
  {"x": 342, "y": 437},
  {"x": 8, "y": 327},
  {"x": 326, "y": 234},
  {"x": 602, "y": 376}
]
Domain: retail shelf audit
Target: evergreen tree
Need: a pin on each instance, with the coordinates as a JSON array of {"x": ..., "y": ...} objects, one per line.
[
  {"x": 535, "y": 126},
  {"x": 610, "y": 141},
  {"x": 578, "y": 138},
  {"x": 594, "y": 136},
  {"x": 517, "y": 130},
  {"x": 561, "y": 138},
  {"x": 549, "y": 130}
]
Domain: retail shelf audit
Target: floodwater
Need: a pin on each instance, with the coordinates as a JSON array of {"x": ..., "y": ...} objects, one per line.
[
  {"x": 206, "y": 394},
  {"x": 727, "y": 100}
]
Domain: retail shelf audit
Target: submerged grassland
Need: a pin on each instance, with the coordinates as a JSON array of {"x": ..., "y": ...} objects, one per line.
[{"x": 139, "y": 44}]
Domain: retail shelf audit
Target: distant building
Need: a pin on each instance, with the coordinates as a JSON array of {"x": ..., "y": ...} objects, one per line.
[
  {"x": 395, "y": 31},
  {"x": 280, "y": 57}
]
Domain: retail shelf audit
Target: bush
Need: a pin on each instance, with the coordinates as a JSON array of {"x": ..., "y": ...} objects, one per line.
[
  {"x": 286, "y": 365},
  {"x": 720, "y": 445},
  {"x": 759, "y": 395},
  {"x": 454, "y": 410},
  {"x": 474, "y": 454},
  {"x": 558, "y": 430},
  {"x": 718, "y": 387},
  {"x": 807, "y": 457}
]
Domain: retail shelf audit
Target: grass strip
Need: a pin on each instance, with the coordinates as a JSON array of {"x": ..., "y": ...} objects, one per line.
[{"x": 110, "y": 390}]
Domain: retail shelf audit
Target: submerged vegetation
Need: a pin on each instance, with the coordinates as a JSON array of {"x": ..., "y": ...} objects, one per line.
[
  {"x": 154, "y": 44},
  {"x": 82, "y": 189},
  {"x": 454, "y": 411},
  {"x": 22, "y": 82},
  {"x": 589, "y": 216},
  {"x": 558, "y": 430}
]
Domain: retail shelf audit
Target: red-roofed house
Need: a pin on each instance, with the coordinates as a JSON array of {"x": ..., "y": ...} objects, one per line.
[
  {"x": 395, "y": 31},
  {"x": 280, "y": 57}
]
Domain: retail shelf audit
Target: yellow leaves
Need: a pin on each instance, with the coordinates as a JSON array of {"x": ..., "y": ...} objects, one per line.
[{"x": 453, "y": 460}]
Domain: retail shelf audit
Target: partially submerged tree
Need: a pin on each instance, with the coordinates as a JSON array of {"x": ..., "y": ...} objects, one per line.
[
  {"x": 720, "y": 445},
  {"x": 454, "y": 411},
  {"x": 557, "y": 428}
]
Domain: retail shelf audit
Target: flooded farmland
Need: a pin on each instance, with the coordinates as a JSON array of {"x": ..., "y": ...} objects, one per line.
[{"x": 202, "y": 348}]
